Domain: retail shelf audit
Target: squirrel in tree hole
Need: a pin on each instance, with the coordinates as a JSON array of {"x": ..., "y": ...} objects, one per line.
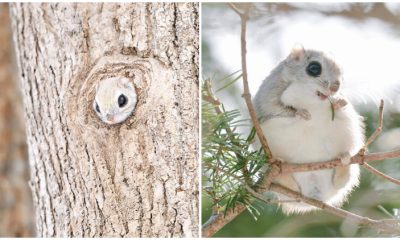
[
  {"x": 295, "y": 105},
  {"x": 115, "y": 99}
]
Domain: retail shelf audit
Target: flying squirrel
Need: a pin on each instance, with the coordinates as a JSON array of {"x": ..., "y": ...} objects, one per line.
[
  {"x": 115, "y": 99},
  {"x": 295, "y": 106}
]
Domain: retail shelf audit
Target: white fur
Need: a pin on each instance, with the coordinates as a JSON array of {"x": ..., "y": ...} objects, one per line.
[
  {"x": 319, "y": 139},
  {"x": 107, "y": 93}
]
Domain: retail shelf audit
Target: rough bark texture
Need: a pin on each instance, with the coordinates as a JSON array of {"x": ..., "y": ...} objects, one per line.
[
  {"x": 138, "y": 178},
  {"x": 16, "y": 211}
]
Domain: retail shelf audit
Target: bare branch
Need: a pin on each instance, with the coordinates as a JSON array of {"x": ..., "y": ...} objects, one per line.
[
  {"x": 263, "y": 198},
  {"x": 357, "y": 159},
  {"x": 381, "y": 174},
  {"x": 379, "y": 129},
  {"x": 235, "y": 9},
  {"x": 210, "y": 100},
  {"x": 385, "y": 225},
  {"x": 216, "y": 222},
  {"x": 246, "y": 91}
]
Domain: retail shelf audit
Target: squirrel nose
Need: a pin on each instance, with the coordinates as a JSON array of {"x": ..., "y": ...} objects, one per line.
[
  {"x": 110, "y": 117},
  {"x": 334, "y": 87}
]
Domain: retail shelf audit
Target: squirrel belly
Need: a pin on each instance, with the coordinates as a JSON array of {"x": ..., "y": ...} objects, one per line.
[{"x": 318, "y": 139}]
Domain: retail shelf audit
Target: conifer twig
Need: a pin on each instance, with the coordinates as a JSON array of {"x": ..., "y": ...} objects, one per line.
[{"x": 210, "y": 98}]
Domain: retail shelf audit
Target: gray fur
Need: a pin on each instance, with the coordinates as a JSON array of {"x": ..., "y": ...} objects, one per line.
[{"x": 267, "y": 101}]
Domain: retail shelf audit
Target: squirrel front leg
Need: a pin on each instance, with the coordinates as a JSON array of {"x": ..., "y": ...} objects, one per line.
[
  {"x": 277, "y": 104},
  {"x": 287, "y": 112},
  {"x": 339, "y": 103},
  {"x": 288, "y": 99},
  {"x": 302, "y": 113}
]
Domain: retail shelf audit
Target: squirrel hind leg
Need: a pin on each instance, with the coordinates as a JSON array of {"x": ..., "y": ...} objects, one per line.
[
  {"x": 289, "y": 205},
  {"x": 341, "y": 176},
  {"x": 351, "y": 175}
]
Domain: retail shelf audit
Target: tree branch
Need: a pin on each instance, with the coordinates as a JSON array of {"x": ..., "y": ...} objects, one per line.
[
  {"x": 216, "y": 222},
  {"x": 356, "y": 159},
  {"x": 381, "y": 174},
  {"x": 246, "y": 91},
  {"x": 378, "y": 130},
  {"x": 386, "y": 224}
]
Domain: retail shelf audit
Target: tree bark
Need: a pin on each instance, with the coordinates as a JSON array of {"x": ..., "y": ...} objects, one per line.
[
  {"x": 90, "y": 179},
  {"x": 16, "y": 211}
]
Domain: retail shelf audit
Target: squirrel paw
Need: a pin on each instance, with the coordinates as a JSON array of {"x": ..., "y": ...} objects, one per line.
[
  {"x": 339, "y": 104},
  {"x": 303, "y": 114}
]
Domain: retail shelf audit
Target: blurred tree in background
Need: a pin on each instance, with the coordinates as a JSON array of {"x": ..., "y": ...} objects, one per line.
[
  {"x": 16, "y": 212},
  {"x": 270, "y": 29}
]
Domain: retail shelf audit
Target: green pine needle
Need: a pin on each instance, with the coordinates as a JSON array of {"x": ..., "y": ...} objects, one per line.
[{"x": 229, "y": 160}]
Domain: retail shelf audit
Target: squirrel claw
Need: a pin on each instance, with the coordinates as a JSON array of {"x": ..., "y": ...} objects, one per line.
[
  {"x": 339, "y": 104},
  {"x": 303, "y": 114}
]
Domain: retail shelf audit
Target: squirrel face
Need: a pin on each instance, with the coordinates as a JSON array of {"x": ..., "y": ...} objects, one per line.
[
  {"x": 115, "y": 99},
  {"x": 314, "y": 69}
]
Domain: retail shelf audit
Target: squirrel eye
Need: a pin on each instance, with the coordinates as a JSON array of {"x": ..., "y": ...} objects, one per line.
[
  {"x": 97, "y": 108},
  {"x": 314, "y": 69},
  {"x": 122, "y": 100}
]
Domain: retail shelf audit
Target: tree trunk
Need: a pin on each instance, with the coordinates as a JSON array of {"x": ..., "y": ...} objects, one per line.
[
  {"x": 16, "y": 210},
  {"x": 138, "y": 178}
]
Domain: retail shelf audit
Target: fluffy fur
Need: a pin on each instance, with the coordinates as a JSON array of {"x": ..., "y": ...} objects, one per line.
[
  {"x": 107, "y": 93},
  {"x": 297, "y": 140}
]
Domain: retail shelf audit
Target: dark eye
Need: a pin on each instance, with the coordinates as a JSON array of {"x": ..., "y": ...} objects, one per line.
[
  {"x": 122, "y": 100},
  {"x": 97, "y": 108},
  {"x": 314, "y": 69}
]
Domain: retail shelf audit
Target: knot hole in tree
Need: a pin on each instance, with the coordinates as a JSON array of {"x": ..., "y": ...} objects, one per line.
[{"x": 110, "y": 76}]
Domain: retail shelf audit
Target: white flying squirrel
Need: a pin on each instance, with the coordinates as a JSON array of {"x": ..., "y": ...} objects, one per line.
[
  {"x": 115, "y": 99},
  {"x": 294, "y": 106}
]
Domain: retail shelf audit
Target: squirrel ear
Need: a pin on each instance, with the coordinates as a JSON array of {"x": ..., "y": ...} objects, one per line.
[
  {"x": 297, "y": 52},
  {"x": 124, "y": 82}
]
